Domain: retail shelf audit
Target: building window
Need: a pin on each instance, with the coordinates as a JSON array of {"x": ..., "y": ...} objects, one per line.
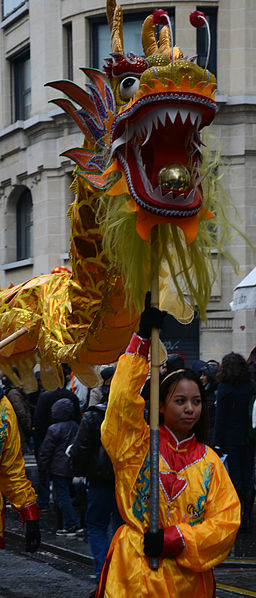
[
  {"x": 24, "y": 220},
  {"x": 21, "y": 86},
  {"x": 132, "y": 24},
  {"x": 202, "y": 40},
  {"x": 68, "y": 51},
  {"x": 9, "y": 6}
]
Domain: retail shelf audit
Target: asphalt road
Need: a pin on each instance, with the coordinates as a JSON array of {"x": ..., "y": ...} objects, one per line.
[{"x": 25, "y": 577}]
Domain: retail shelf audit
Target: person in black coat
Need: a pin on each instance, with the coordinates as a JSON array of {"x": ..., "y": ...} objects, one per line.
[
  {"x": 53, "y": 458},
  {"x": 210, "y": 384},
  {"x": 42, "y": 421},
  {"x": 90, "y": 459},
  {"x": 232, "y": 426}
]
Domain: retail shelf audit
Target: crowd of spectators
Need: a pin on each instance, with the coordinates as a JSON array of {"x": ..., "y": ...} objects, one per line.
[{"x": 62, "y": 428}]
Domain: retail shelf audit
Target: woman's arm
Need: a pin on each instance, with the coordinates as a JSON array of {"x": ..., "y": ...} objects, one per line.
[{"x": 124, "y": 424}]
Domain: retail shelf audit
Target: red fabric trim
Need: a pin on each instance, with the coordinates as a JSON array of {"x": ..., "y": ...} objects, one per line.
[
  {"x": 178, "y": 456},
  {"x": 29, "y": 513},
  {"x": 174, "y": 542},
  {"x": 138, "y": 345},
  {"x": 2, "y": 542}
]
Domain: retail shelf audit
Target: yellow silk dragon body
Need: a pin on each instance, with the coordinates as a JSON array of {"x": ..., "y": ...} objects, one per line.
[{"x": 141, "y": 165}]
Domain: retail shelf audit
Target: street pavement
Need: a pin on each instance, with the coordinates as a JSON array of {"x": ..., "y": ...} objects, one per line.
[{"x": 32, "y": 575}]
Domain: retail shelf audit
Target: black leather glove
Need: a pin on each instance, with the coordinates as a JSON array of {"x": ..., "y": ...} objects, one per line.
[
  {"x": 153, "y": 543},
  {"x": 151, "y": 316},
  {"x": 32, "y": 535}
]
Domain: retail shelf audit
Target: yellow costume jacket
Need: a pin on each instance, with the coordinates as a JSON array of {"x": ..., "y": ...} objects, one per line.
[
  {"x": 196, "y": 497},
  {"x": 13, "y": 481}
]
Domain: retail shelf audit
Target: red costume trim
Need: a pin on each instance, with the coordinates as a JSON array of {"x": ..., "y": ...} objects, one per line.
[
  {"x": 138, "y": 345},
  {"x": 29, "y": 513},
  {"x": 174, "y": 542},
  {"x": 178, "y": 456}
]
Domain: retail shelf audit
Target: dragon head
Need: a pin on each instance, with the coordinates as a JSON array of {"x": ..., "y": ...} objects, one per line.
[
  {"x": 163, "y": 103},
  {"x": 143, "y": 123}
]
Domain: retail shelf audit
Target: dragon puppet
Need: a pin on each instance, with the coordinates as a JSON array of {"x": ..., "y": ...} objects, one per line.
[{"x": 142, "y": 164}]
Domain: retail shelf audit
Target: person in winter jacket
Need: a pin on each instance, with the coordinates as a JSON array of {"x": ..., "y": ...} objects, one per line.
[
  {"x": 42, "y": 421},
  {"x": 231, "y": 433},
  {"x": 90, "y": 459},
  {"x": 210, "y": 384},
  {"x": 53, "y": 458},
  {"x": 14, "y": 484},
  {"x": 20, "y": 403}
]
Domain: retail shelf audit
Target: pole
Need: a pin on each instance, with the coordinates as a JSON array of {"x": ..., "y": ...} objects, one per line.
[
  {"x": 154, "y": 404},
  {"x": 12, "y": 337}
]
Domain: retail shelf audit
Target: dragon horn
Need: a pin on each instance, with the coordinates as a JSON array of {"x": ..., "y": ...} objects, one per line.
[
  {"x": 115, "y": 21},
  {"x": 165, "y": 41},
  {"x": 165, "y": 45},
  {"x": 148, "y": 37}
]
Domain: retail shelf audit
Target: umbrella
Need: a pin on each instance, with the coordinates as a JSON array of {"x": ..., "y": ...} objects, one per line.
[{"x": 244, "y": 294}]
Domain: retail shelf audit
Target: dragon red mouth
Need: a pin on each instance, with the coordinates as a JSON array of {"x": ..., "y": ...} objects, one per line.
[{"x": 159, "y": 131}]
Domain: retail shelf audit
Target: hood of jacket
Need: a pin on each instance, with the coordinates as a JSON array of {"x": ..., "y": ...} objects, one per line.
[{"x": 62, "y": 410}]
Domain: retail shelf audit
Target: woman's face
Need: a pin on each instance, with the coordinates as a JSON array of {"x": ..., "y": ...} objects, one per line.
[
  {"x": 204, "y": 379},
  {"x": 182, "y": 408}
]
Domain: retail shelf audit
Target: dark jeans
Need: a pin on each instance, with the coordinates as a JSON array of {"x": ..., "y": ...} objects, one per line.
[
  {"x": 62, "y": 496},
  {"x": 102, "y": 520},
  {"x": 241, "y": 465}
]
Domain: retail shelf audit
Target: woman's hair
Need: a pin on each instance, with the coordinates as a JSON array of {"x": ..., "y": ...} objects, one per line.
[
  {"x": 172, "y": 379},
  {"x": 234, "y": 369}
]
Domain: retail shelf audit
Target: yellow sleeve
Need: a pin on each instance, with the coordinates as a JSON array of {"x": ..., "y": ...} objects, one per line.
[
  {"x": 209, "y": 543},
  {"x": 13, "y": 481},
  {"x": 124, "y": 426}
]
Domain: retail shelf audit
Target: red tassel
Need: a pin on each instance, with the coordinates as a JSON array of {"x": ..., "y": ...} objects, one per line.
[{"x": 196, "y": 18}]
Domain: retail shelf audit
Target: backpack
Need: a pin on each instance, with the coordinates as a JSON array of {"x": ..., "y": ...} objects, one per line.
[
  {"x": 98, "y": 468},
  {"x": 252, "y": 418}
]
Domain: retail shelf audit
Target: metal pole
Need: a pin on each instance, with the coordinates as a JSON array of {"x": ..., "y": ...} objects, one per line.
[{"x": 154, "y": 407}]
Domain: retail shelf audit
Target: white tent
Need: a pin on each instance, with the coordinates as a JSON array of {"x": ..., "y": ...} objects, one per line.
[{"x": 244, "y": 294}]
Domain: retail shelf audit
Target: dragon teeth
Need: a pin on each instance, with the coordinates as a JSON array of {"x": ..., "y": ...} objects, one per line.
[{"x": 159, "y": 116}]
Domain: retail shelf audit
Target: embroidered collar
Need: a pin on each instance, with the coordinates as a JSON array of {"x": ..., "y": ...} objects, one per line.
[{"x": 177, "y": 456}]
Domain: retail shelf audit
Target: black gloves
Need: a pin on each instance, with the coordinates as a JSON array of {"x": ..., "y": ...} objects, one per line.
[
  {"x": 32, "y": 535},
  {"x": 151, "y": 316},
  {"x": 153, "y": 543}
]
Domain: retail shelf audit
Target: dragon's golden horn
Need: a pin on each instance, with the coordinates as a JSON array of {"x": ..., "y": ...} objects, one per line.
[
  {"x": 110, "y": 9},
  {"x": 115, "y": 21},
  {"x": 148, "y": 37},
  {"x": 165, "y": 41}
]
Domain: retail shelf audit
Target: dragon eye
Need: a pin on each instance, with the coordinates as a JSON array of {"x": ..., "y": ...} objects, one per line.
[{"x": 128, "y": 87}]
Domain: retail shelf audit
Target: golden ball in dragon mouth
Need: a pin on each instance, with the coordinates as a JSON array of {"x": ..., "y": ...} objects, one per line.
[{"x": 174, "y": 177}]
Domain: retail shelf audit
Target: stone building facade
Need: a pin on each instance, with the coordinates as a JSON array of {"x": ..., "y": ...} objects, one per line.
[{"x": 45, "y": 40}]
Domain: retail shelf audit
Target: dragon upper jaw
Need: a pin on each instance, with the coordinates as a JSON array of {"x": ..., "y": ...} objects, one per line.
[{"x": 155, "y": 132}]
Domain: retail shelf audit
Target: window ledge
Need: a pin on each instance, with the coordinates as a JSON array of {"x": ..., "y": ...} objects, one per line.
[
  {"x": 64, "y": 256},
  {"x": 24, "y": 125},
  {"x": 19, "y": 264},
  {"x": 235, "y": 100},
  {"x": 16, "y": 14}
]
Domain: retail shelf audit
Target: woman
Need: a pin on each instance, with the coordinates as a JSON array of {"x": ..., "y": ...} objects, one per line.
[
  {"x": 199, "y": 511},
  {"x": 232, "y": 427},
  {"x": 210, "y": 384}
]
